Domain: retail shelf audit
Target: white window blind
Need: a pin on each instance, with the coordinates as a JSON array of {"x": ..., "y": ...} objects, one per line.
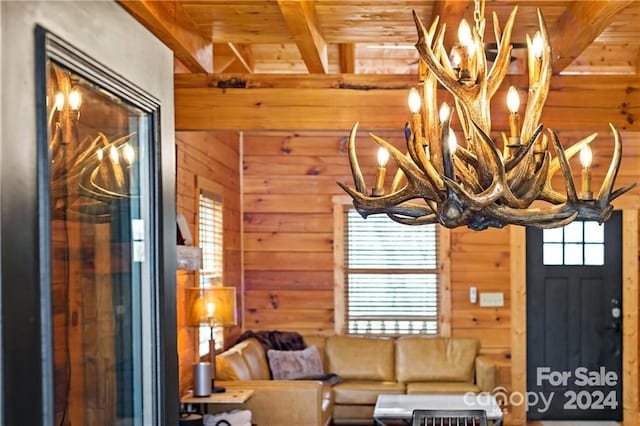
[
  {"x": 210, "y": 240},
  {"x": 391, "y": 276}
]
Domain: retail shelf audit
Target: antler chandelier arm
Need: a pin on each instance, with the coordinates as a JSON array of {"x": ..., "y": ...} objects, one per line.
[
  {"x": 539, "y": 62},
  {"x": 476, "y": 184},
  {"x": 503, "y": 58}
]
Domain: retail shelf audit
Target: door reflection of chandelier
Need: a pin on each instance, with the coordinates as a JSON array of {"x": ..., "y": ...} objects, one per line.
[
  {"x": 475, "y": 184},
  {"x": 87, "y": 173}
]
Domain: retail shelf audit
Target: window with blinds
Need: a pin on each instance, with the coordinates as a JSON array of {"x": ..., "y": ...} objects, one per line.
[
  {"x": 391, "y": 276},
  {"x": 210, "y": 240}
]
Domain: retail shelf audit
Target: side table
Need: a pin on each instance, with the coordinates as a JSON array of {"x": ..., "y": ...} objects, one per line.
[{"x": 236, "y": 396}]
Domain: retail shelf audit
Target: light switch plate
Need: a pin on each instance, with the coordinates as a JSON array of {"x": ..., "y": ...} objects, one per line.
[{"x": 491, "y": 299}]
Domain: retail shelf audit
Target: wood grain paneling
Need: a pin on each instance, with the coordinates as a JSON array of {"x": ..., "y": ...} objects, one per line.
[
  {"x": 288, "y": 224},
  {"x": 216, "y": 157}
]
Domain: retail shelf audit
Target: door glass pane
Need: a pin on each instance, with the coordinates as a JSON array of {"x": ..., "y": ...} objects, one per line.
[
  {"x": 594, "y": 254},
  {"x": 552, "y": 254},
  {"x": 573, "y": 232},
  {"x": 553, "y": 235},
  {"x": 573, "y": 254},
  {"x": 593, "y": 232},
  {"x": 98, "y": 165}
]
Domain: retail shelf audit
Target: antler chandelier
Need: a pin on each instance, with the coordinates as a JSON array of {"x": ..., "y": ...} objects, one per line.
[{"x": 475, "y": 184}]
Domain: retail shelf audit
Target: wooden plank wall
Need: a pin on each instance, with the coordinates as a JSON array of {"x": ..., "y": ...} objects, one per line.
[
  {"x": 215, "y": 156},
  {"x": 289, "y": 178},
  {"x": 288, "y": 181}
]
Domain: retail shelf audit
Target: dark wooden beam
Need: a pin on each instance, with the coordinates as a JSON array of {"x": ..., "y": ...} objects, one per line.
[
  {"x": 579, "y": 26},
  {"x": 347, "y": 58},
  {"x": 337, "y": 101},
  {"x": 300, "y": 17},
  {"x": 167, "y": 21}
]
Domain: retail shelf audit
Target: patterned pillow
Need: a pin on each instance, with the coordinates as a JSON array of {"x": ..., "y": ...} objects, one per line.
[{"x": 290, "y": 365}]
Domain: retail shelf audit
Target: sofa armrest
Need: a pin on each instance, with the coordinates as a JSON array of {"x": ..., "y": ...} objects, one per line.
[
  {"x": 486, "y": 374},
  {"x": 281, "y": 402}
]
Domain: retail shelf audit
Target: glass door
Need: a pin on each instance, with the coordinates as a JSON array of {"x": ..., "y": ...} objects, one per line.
[{"x": 102, "y": 288}]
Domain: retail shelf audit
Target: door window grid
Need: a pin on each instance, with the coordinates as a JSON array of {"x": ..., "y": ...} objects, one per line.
[
  {"x": 210, "y": 240},
  {"x": 578, "y": 243},
  {"x": 391, "y": 277}
]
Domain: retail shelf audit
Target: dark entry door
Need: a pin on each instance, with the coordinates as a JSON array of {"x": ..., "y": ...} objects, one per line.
[{"x": 574, "y": 321}]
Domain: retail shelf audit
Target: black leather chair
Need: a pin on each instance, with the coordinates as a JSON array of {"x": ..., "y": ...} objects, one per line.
[{"x": 449, "y": 418}]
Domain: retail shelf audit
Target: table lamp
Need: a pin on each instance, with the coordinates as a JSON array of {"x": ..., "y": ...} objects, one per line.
[{"x": 214, "y": 307}]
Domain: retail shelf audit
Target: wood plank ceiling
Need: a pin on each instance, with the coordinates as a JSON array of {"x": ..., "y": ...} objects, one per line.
[{"x": 371, "y": 37}]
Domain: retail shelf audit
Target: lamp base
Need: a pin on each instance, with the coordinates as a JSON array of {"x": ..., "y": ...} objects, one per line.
[{"x": 217, "y": 389}]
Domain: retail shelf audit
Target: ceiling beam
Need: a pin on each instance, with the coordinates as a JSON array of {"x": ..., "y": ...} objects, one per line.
[
  {"x": 450, "y": 13},
  {"x": 168, "y": 22},
  {"x": 579, "y": 25},
  {"x": 300, "y": 17},
  {"x": 243, "y": 55},
  {"x": 574, "y": 102},
  {"x": 347, "y": 58}
]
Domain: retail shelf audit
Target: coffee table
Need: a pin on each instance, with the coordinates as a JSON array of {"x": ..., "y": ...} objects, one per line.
[{"x": 399, "y": 408}]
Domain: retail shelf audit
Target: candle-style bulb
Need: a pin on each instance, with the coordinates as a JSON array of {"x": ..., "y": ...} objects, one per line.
[
  {"x": 445, "y": 112},
  {"x": 537, "y": 46},
  {"x": 513, "y": 100},
  {"x": 128, "y": 153},
  {"x": 99, "y": 154},
  {"x": 464, "y": 33},
  {"x": 586, "y": 156},
  {"x": 113, "y": 153},
  {"x": 75, "y": 99},
  {"x": 414, "y": 101},
  {"x": 453, "y": 142},
  {"x": 455, "y": 59},
  {"x": 383, "y": 157},
  {"x": 59, "y": 101}
]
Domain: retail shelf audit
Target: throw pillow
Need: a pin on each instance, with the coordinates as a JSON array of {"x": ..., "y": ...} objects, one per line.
[{"x": 290, "y": 365}]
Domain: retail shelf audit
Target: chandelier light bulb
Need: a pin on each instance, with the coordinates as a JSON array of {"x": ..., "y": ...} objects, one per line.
[
  {"x": 75, "y": 99},
  {"x": 113, "y": 153},
  {"x": 128, "y": 153},
  {"x": 537, "y": 45},
  {"x": 453, "y": 142},
  {"x": 464, "y": 34},
  {"x": 586, "y": 156},
  {"x": 59, "y": 101},
  {"x": 383, "y": 157},
  {"x": 99, "y": 154},
  {"x": 513, "y": 100},
  {"x": 456, "y": 60},
  {"x": 445, "y": 112},
  {"x": 414, "y": 101}
]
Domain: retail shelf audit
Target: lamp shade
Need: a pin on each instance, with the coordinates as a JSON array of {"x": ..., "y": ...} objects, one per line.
[{"x": 212, "y": 306}]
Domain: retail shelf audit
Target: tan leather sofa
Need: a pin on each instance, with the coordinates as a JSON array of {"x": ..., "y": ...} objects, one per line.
[
  {"x": 274, "y": 402},
  {"x": 367, "y": 366}
]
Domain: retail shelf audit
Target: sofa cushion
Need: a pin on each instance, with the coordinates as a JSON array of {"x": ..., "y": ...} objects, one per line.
[
  {"x": 320, "y": 343},
  {"x": 423, "y": 359},
  {"x": 253, "y": 354},
  {"x": 359, "y": 358},
  {"x": 441, "y": 387},
  {"x": 231, "y": 366},
  {"x": 289, "y": 365},
  {"x": 356, "y": 414},
  {"x": 364, "y": 392}
]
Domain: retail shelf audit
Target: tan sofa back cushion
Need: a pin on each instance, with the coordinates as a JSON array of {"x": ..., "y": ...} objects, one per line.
[
  {"x": 231, "y": 366},
  {"x": 357, "y": 358},
  {"x": 244, "y": 361},
  {"x": 319, "y": 342},
  {"x": 423, "y": 359}
]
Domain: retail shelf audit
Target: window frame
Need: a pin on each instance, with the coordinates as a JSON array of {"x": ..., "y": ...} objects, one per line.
[
  {"x": 207, "y": 186},
  {"x": 342, "y": 203}
]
